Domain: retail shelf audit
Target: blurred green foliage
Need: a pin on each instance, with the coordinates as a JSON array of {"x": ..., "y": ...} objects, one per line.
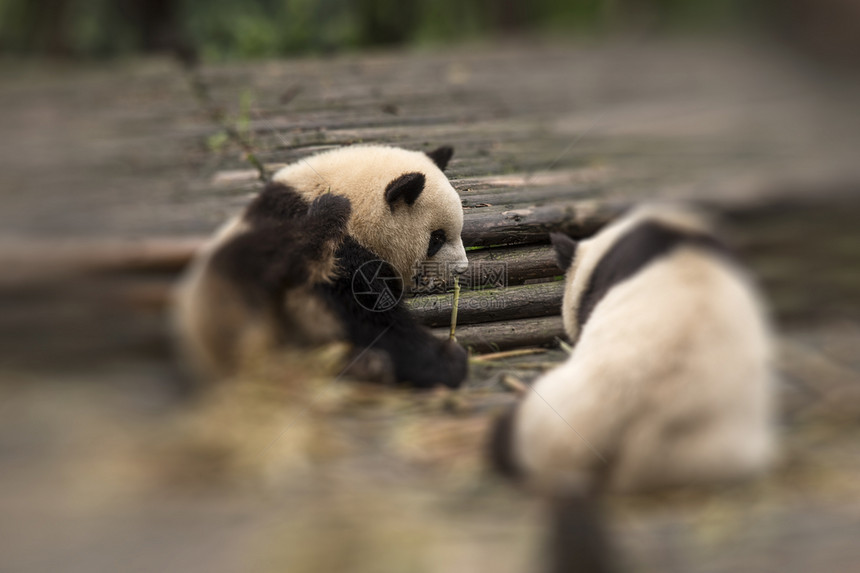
[{"x": 263, "y": 28}]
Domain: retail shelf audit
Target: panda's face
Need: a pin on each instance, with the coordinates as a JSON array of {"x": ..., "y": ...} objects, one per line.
[
  {"x": 426, "y": 216},
  {"x": 444, "y": 254},
  {"x": 404, "y": 208}
]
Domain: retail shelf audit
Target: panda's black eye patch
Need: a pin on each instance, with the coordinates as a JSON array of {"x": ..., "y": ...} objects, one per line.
[{"x": 437, "y": 239}]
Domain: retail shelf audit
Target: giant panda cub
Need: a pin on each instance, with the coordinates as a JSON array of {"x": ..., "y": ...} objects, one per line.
[
  {"x": 296, "y": 267},
  {"x": 669, "y": 381}
]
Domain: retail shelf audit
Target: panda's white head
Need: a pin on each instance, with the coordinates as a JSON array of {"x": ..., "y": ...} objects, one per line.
[
  {"x": 615, "y": 253},
  {"x": 404, "y": 209}
]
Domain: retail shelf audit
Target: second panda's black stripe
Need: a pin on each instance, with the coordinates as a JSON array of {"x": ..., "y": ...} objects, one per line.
[{"x": 644, "y": 244}]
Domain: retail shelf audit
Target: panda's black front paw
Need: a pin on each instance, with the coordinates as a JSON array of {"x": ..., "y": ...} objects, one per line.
[
  {"x": 456, "y": 360},
  {"x": 331, "y": 210}
]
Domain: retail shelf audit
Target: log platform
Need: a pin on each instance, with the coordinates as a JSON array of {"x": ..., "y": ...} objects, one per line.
[{"x": 112, "y": 176}]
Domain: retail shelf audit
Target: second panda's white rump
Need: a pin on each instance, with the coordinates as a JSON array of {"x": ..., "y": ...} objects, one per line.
[{"x": 669, "y": 382}]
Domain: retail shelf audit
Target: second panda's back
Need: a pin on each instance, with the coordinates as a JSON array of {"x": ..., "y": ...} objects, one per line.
[
  {"x": 669, "y": 380},
  {"x": 705, "y": 359}
]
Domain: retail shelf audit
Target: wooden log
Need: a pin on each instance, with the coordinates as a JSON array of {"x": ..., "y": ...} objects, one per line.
[
  {"x": 508, "y": 303},
  {"x": 508, "y": 197},
  {"x": 495, "y": 336},
  {"x": 528, "y": 223},
  {"x": 35, "y": 261},
  {"x": 532, "y": 224},
  {"x": 522, "y": 263}
]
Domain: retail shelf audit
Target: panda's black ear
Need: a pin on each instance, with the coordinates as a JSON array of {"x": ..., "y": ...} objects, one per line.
[
  {"x": 407, "y": 187},
  {"x": 441, "y": 156},
  {"x": 565, "y": 249}
]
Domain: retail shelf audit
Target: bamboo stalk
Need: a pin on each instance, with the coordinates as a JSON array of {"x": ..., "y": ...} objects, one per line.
[
  {"x": 508, "y": 354},
  {"x": 534, "y": 365},
  {"x": 454, "y": 306},
  {"x": 515, "y": 384}
]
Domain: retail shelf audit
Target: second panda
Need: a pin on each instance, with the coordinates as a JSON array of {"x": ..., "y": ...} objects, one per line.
[
  {"x": 284, "y": 272},
  {"x": 670, "y": 380}
]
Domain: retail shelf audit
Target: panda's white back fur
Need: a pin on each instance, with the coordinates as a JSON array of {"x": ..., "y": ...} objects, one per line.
[{"x": 669, "y": 382}]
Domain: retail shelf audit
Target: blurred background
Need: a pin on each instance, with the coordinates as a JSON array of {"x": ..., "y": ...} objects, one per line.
[
  {"x": 131, "y": 129},
  {"x": 222, "y": 29}
]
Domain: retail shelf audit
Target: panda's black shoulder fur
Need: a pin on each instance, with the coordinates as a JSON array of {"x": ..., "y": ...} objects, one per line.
[
  {"x": 642, "y": 245},
  {"x": 419, "y": 358},
  {"x": 284, "y": 241},
  {"x": 275, "y": 203}
]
